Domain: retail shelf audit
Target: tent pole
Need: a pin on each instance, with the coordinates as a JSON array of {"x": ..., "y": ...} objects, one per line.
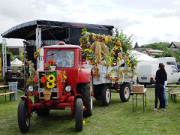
[
  {"x": 38, "y": 44},
  {"x": 4, "y": 56},
  {"x": 25, "y": 87}
]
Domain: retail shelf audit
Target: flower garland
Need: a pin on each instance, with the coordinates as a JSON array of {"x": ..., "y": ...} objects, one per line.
[{"x": 96, "y": 50}]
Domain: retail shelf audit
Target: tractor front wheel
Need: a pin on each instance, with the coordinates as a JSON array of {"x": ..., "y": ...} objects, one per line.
[
  {"x": 78, "y": 114},
  {"x": 23, "y": 119},
  {"x": 85, "y": 90}
]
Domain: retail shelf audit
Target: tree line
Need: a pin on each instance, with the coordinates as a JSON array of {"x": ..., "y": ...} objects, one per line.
[{"x": 164, "y": 46}]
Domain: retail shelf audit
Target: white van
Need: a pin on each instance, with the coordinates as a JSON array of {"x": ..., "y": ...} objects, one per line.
[
  {"x": 146, "y": 74},
  {"x": 173, "y": 74},
  {"x": 167, "y": 60}
]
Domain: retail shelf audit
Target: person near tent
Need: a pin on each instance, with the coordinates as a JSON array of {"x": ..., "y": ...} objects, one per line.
[{"x": 160, "y": 79}]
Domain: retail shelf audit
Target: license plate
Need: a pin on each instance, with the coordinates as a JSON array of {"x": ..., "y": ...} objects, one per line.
[{"x": 144, "y": 78}]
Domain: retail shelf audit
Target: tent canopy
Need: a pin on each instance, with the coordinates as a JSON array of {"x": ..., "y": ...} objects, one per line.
[
  {"x": 142, "y": 57},
  {"x": 16, "y": 63},
  {"x": 54, "y": 30}
]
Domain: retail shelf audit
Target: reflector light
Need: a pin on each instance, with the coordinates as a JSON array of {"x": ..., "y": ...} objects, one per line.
[{"x": 61, "y": 43}]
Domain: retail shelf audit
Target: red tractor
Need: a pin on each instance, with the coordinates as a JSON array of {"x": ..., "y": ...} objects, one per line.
[{"x": 70, "y": 84}]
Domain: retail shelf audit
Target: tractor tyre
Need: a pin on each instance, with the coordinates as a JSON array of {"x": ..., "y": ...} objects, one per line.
[
  {"x": 23, "y": 119},
  {"x": 125, "y": 92},
  {"x": 84, "y": 89},
  {"x": 43, "y": 112},
  {"x": 78, "y": 114},
  {"x": 36, "y": 100},
  {"x": 106, "y": 95}
]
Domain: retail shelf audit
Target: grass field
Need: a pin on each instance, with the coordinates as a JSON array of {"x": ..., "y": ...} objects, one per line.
[{"x": 117, "y": 118}]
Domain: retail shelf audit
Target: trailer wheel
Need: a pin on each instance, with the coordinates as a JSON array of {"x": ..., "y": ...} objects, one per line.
[
  {"x": 106, "y": 95},
  {"x": 125, "y": 92},
  {"x": 23, "y": 119},
  {"x": 42, "y": 112},
  {"x": 97, "y": 92},
  {"x": 78, "y": 114}
]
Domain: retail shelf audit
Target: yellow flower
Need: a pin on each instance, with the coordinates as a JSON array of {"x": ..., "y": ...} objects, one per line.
[
  {"x": 22, "y": 53},
  {"x": 50, "y": 85},
  {"x": 51, "y": 78},
  {"x": 129, "y": 66},
  {"x": 105, "y": 40},
  {"x": 38, "y": 50},
  {"x": 87, "y": 50},
  {"x": 127, "y": 61},
  {"x": 118, "y": 60},
  {"x": 94, "y": 36},
  {"x": 84, "y": 122}
]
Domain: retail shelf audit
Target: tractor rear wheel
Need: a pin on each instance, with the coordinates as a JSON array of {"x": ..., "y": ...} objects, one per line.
[
  {"x": 106, "y": 95},
  {"x": 23, "y": 119},
  {"x": 78, "y": 114}
]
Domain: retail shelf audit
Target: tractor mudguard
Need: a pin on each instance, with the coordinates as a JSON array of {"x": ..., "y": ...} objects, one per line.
[{"x": 84, "y": 75}]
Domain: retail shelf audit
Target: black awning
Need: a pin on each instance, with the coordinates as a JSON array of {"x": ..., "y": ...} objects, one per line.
[{"x": 52, "y": 30}]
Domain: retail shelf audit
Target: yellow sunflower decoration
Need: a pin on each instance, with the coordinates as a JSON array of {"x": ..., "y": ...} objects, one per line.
[
  {"x": 118, "y": 61},
  {"x": 38, "y": 51},
  {"x": 127, "y": 61},
  {"x": 129, "y": 66},
  {"x": 51, "y": 78},
  {"x": 50, "y": 85}
]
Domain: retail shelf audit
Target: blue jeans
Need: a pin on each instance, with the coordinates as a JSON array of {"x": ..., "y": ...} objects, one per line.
[{"x": 166, "y": 102}]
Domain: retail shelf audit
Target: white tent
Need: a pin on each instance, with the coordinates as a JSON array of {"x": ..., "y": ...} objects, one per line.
[
  {"x": 144, "y": 59},
  {"x": 16, "y": 63}
]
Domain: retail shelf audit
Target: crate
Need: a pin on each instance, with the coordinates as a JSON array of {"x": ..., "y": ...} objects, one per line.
[
  {"x": 138, "y": 88},
  {"x": 13, "y": 88}
]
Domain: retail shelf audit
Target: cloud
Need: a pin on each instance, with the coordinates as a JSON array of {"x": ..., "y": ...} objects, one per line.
[
  {"x": 120, "y": 23},
  {"x": 148, "y": 21},
  {"x": 168, "y": 14}
]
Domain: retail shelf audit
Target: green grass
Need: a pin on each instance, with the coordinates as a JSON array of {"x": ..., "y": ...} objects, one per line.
[{"x": 117, "y": 118}]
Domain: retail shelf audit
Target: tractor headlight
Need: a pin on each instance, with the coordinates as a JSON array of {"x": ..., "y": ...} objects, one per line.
[
  {"x": 30, "y": 88},
  {"x": 68, "y": 88}
]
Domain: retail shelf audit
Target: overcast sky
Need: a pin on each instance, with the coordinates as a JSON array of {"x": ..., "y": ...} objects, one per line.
[{"x": 148, "y": 21}]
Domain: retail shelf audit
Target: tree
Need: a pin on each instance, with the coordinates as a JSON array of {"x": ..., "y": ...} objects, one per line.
[
  {"x": 136, "y": 45},
  {"x": 177, "y": 56},
  {"x": 156, "y": 46}
]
